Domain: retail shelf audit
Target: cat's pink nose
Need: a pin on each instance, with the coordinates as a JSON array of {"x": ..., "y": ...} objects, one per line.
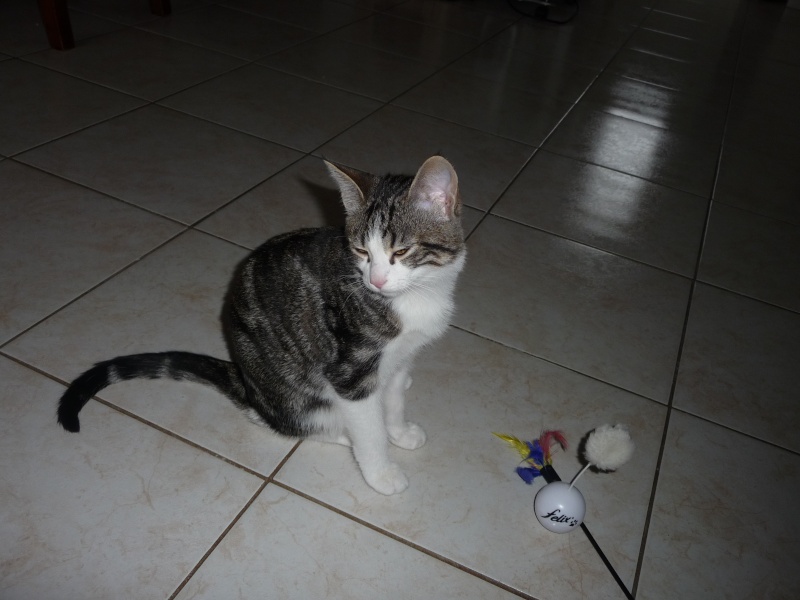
[{"x": 378, "y": 282}]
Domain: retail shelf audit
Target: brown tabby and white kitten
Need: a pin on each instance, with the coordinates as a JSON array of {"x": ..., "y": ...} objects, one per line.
[{"x": 323, "y": 324}]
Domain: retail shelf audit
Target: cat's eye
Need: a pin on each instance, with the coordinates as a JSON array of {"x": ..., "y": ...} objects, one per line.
[
  {"x": 401, "y": 252},
  {"x": 361, "y": 251}
]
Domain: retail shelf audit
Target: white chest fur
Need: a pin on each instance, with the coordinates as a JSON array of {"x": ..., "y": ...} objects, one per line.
[
  {"x": 427, "y": 309},
  {"x": 424, "y": 316}
]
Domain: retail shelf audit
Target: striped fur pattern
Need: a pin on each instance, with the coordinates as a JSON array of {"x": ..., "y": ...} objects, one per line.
[{"x": 323, "y": 324}]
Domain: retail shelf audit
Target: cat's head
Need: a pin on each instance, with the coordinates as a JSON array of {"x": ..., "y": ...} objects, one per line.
[{"x": 404, "y": 232}]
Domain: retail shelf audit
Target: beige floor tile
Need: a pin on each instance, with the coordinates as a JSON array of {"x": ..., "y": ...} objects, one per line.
[
  {"x": 738, "y": 366},
  {"x": 229, "y": 31},
  {"x": 491, "y": 107},
  {"x": 725, "y": 526},
  {"x": 755, "y": 74},
  {"x": 461, "y": 17},
  {"x": 308, "y": 14},
  {"x": 656, "y": 105},
  {"x": 139, "y": 63},
  {"x": 594, "y": 312},
  {"x": 712, "y": 10},
  {"x": 408, "y": 38},
  {"x": 574, "y": 49},
  {"x": 625, "y": 11},
  {"x": 705, "y": 80},
  {"x": 759, "y": 180},
  {"x": 282, "y": 108},
  {"x": 752, "y": 255},
  {"x": 72, "y": 238},
  {"x": 711, "y": 31},
  {"x": 39, "y": 105},
  {"x": 313, "y": 552},
  {"x": 674, "y": 159},
  {"x": 526, "y": 71},
  {"x": 303, "y": 195},
  {"x": 719, "y": 54},
  {"x": 164, "y": 161},
  {"x": 380, "y": 75},
  {"x": 609, "y": 210},
  {"x": 610, "y": 23},
  {"x": 120, "y": 509}
]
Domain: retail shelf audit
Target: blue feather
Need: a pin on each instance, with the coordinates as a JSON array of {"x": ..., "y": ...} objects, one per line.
[
  {"x": 528, "y": 474},
  {"x": 537, "y": 454}
]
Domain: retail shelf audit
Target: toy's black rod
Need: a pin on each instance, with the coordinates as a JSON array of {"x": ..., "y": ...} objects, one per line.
[{"x": 550, "y": 475}]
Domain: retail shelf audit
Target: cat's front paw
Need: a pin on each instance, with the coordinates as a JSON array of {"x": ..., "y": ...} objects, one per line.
[
  {"x": 409, "y": 437},
  {"x": 387, "y": 481}
]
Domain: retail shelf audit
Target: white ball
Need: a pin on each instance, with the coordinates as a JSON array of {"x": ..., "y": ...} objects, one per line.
[{"x": 559, "y": 507}]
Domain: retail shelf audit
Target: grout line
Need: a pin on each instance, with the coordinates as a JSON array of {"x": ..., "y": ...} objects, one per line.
[
  {"x": 160, "y": 428},
  {"x": 749, "y": 436},
  {"x": 682, "y": 343},
  {"x": 219, "y": 539},
  {"x": 100, "y": 283},
  {"x": 284, "y": 460},
  {"x": 18, "y": 155},
  {"x": 406, "y": 542},
  {"x": 692, "y": 278},
  {"x": 557, "y": 125},
  {"x": 255, "y": 61},
  {"x": 559, "y": 365},
  {"x": 746, "y": 295},
  {"x": 785, "y": 220},
  {"x": 265, "y": 482},
  {"x": 586, "y": 244},
  {"x": 382, "y": 104},
  {"x": 164, "y": 430},
  {"x": 177, "y": 436},
  {"x": 19, "y": 161}
]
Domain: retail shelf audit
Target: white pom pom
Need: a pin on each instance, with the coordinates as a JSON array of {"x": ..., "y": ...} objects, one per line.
[{"x": 608, "y": 448}]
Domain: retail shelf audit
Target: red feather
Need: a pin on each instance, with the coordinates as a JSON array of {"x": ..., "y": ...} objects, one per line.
[{"x": 546, "y": 440}]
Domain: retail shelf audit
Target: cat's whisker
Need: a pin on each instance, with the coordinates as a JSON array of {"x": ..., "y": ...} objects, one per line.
[{"x": 355, "y": 285}]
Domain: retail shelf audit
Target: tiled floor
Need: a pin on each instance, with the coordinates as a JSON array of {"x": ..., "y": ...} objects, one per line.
[{"x": 634, "y": 215}]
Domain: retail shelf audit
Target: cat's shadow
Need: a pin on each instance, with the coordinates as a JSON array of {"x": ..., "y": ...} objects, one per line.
[{"x": 329, "y": 200}]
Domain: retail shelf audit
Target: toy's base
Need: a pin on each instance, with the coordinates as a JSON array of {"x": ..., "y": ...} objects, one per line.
[{"x": 559, "y": 507}]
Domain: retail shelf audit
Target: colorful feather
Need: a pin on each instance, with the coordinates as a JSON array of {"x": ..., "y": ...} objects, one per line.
[
  {"x": 547, "y": 438},
  {"x": 515, "y": 443},
  {"x": 536, "y": 455},
  {"x": 528, "y": 474}
]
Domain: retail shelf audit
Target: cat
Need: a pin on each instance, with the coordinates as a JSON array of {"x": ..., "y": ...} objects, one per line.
[{"x": 323, "y": 324}]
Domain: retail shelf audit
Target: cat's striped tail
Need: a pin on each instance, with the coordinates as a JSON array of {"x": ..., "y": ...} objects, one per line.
[{"x": 222, "y": 375}]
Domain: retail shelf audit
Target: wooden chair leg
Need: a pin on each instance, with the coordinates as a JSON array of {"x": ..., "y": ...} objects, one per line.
[
  {"x": 160, "y": 7},
  {"x": 55, "y": 16}
]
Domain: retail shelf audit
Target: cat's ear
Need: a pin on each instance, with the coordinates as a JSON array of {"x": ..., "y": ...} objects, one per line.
[
  {"x": 435, "y": 188},
  {"x": 353, "y": 185}
]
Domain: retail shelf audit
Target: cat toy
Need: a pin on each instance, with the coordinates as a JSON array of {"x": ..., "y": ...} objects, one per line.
[{"x": 559, "y": 506}]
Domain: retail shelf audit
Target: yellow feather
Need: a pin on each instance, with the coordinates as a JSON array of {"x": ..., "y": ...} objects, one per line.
[{"x": 515, "y": 443}]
